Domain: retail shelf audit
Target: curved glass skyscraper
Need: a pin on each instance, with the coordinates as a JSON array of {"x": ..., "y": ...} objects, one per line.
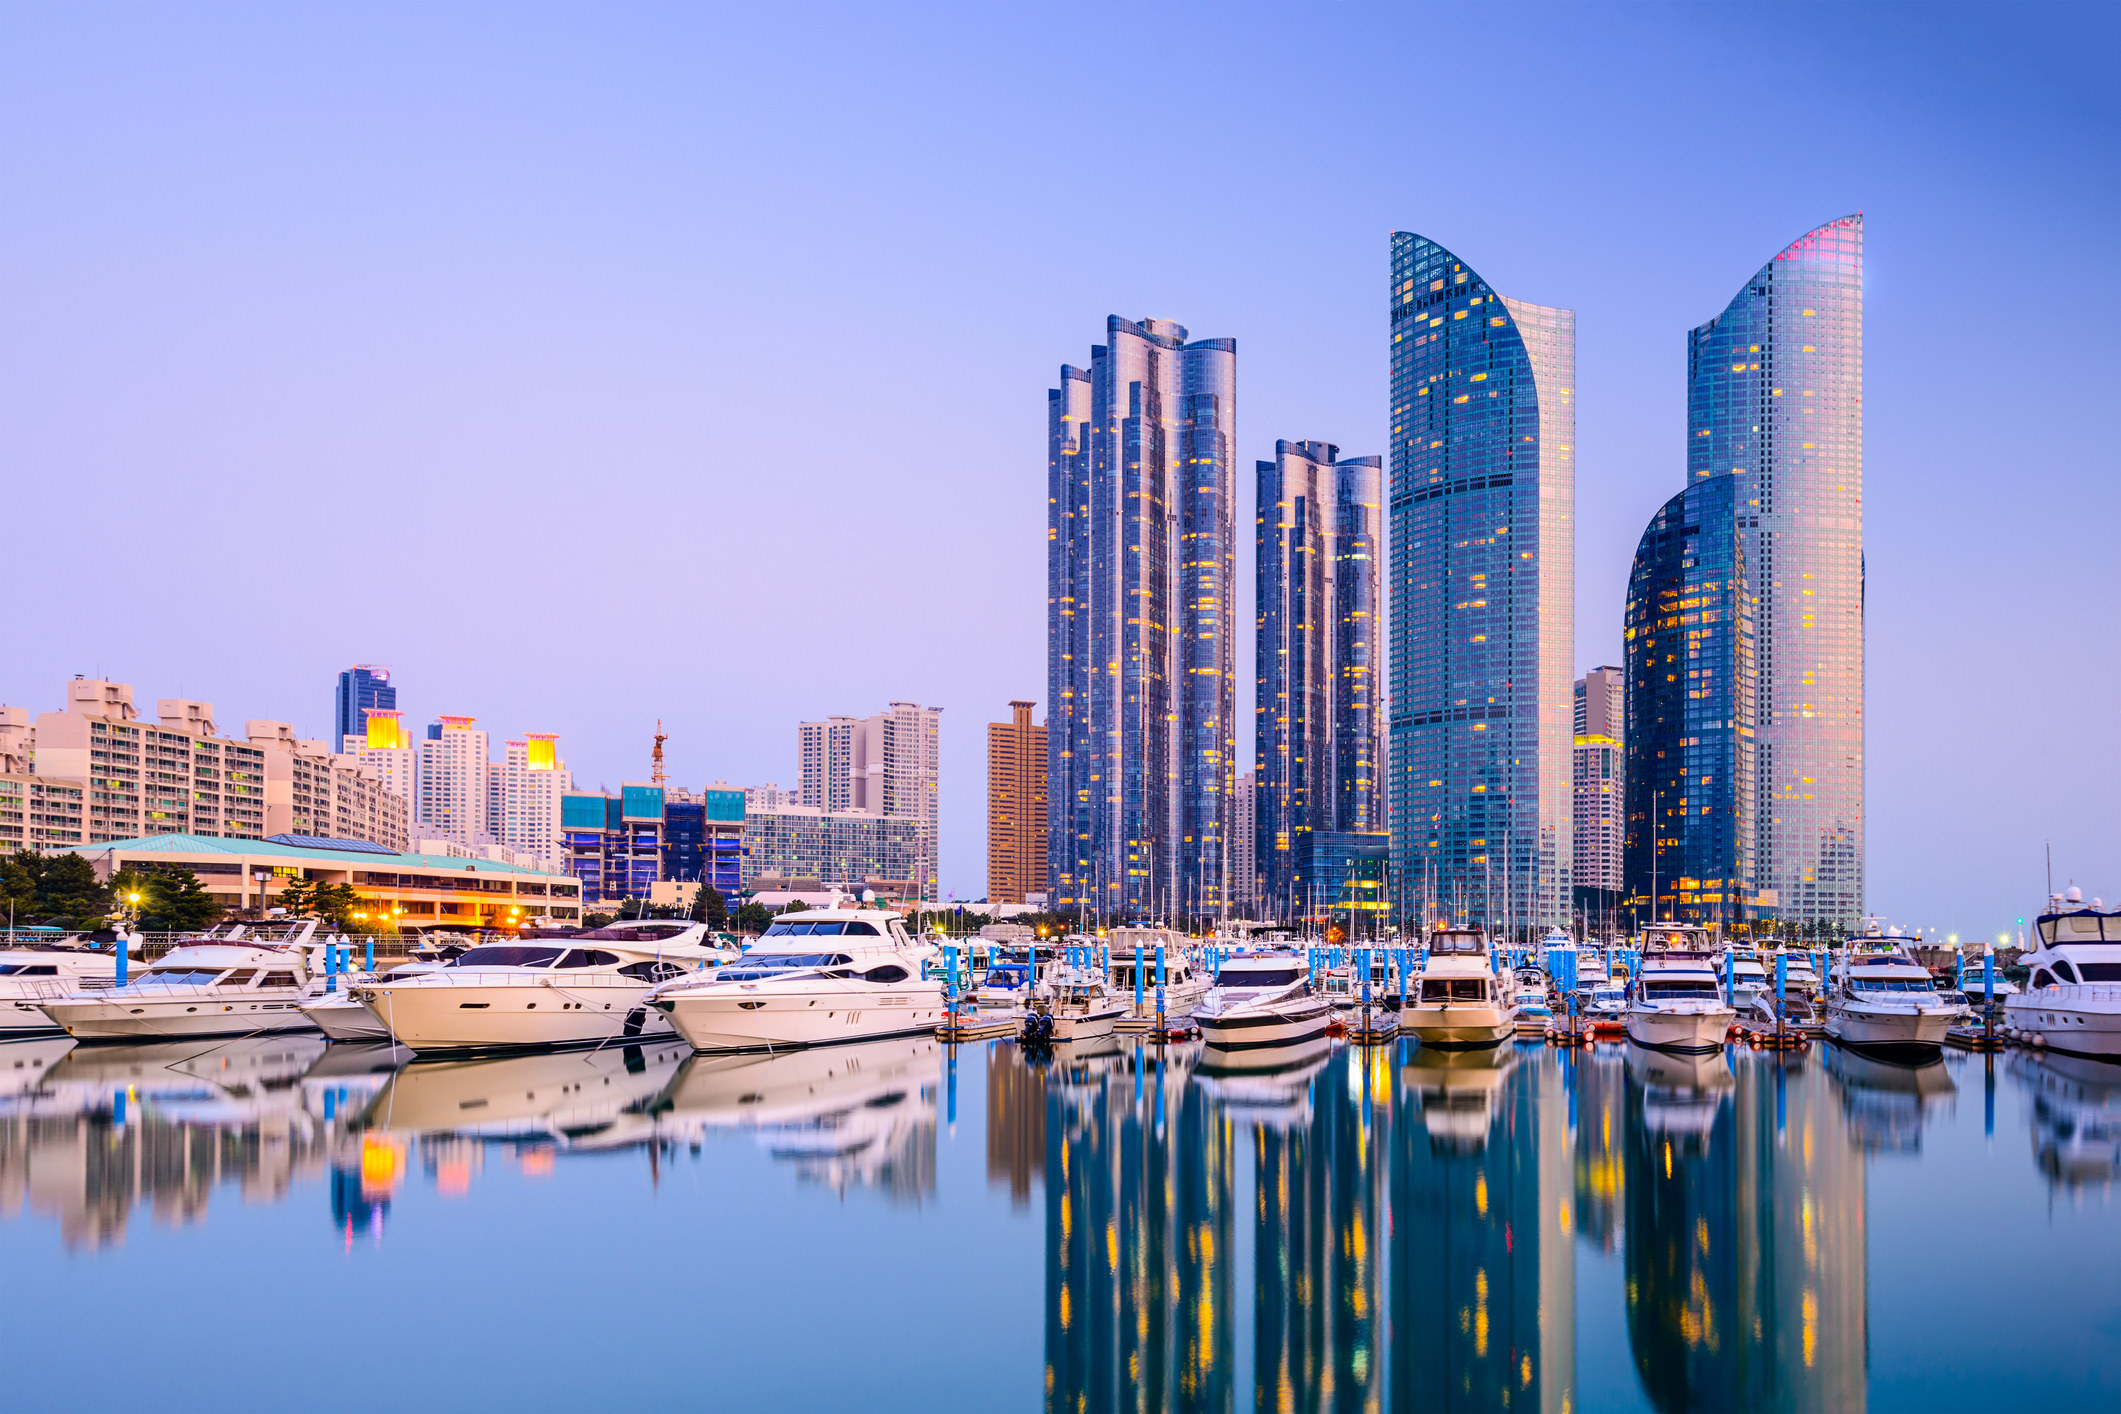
[
  {"x": 1482, "y": 593},
  {"x": 1141, "y": 673},
  {"x": 1745, "y": 786}
]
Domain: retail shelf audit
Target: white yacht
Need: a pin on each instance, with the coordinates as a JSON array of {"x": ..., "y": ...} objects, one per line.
[
  {"x": 1799, "y": 975},
  {"x": 1184, "y": 985},
  {"x": 1590, "y": 967},
  {"x": 1882, "y": 999},
  {"x": 1072, "y": 1004},
  {"x": 234, "y": 983},
  {"x": 34, "y": 973},
  {"x": 1004, "y": 987},
  {"x": 2073, "y": 1001},
  {"x": 584, "y": 990},
  {"x": 330, "y": 1004},
  {"x": 1606, "y": 1005},
  {"x": 1747, "y": 977},
  {"x": 1460, "y": 1001},
  {"x": 814, "y": 978},
  {"x": 1677, "y": 1003},
  {"x": 1261, "y": 999}
]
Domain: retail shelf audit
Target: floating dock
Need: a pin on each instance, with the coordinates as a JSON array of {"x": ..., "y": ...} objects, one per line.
[
  {"x": 1764, "y": 1038},
  {"x": 1975, "y": 1038},
  {"x": 971, "y": 1026},
  {"x": 1381, "y": 1027}
]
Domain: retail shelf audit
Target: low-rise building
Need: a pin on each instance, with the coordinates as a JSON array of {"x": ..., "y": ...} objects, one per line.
[
  {"x": 415, "y": 891},
  {"x": 849, "y": 848}
]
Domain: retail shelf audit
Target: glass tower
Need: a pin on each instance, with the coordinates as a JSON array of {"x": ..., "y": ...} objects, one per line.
[
  {"x": 1317, "y": 748},
  {"x": 1141, "y": 677},
  {"x": 1482, "y": 593},
  {"x": 362, "y": 687},
  {"x": 1751, "y": 740}
]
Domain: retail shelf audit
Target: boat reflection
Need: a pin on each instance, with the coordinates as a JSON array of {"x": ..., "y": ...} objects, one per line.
[
  {"x": 562, "y": 1099},
  {"x": 89, "y": 1132},
  {"x": 1459, "y": 1093},
  {"x": 853, "y": 1116},
  {"x": 1270, "y": 1087},
  {"x": 1889, "y": 1102},
  {"x": 2076, "y": 1117}
]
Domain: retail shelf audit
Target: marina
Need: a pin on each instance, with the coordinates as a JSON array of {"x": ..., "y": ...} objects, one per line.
[{"x": 1101, "y": 1207}]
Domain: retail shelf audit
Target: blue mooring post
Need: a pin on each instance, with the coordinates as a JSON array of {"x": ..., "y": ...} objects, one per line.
[
  {"x": 1782, "y": 982},
  {"x": 368, "y": 953},
  {"x": 1988, "y": 1005},
  {"x": 1141, "y": 982},
  {"x": 331, "y": 968},
  {"x": 122, "y": 953},
  {"x": 950, "y": 975},
  {"x": 117, "y": 1107},
  {"x": 1159, "y": 986}
]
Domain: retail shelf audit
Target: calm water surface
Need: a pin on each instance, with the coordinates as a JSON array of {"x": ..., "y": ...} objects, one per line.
[{"x": 271, "y": 1223}]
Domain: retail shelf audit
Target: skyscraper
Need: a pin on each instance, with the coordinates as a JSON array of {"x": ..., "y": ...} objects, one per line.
[
  {"x": 1141, "y": 559},
  {"x": 453, "y": 797},
  {"x": 1016, "y": 806},
  {"x": 1317, "y": 743},
  {"x": 523, "y": 791},
  {"x": 361, "y": 687},
  {"x": 1482, "y": 592},
  {"x": 1745, "y": 611},
  {"x": 1600, "y": 789}
]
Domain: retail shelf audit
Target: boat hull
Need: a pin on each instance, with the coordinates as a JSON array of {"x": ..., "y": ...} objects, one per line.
[
  {"x": 749, "y": 1021},
  {"x": 341, "y": 1018},
  {"x": 1084, "y": 1026},
  {"x": 1246, "y": 1029},
  {"x": 20, "y": 1019},
  {"x": 445, "y": 1019},
  {"x": 1688, "y": 1032},
  {"x": 2072, "y": 1027},
  {"x": 139, "y": 1019},
  {"x": 1459, "y": 1028},
  {"x": 1909, "y": 1033}
]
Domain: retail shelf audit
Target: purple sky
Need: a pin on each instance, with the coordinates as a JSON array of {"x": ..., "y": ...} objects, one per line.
[{"x": 592, "y": 365}]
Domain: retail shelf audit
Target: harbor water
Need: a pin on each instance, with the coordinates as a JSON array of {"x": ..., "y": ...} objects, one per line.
[{"x": 904, "y": 1225}]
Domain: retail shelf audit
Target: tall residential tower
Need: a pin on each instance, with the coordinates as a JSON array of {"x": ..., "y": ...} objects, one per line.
[
  {"x": 1016, "y": 806},
  {"x": 1745, "y": 611},
  {"x": 1481, "y": 594},
  {"x": 1140, "y": 569},
  {"x": 363, "y": 688},
  {"x": 1318, "y": 743}
]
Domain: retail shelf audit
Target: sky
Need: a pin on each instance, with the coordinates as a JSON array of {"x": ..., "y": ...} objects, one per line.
[{"x": 595, "y": 365}]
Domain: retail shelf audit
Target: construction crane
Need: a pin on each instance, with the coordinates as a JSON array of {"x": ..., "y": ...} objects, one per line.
[{"x": 655, "y": 757}]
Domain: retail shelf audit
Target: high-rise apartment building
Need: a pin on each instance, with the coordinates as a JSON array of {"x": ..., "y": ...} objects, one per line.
[
  {"x": 452, "y": 800},
  {"x": 886, "y": 764},
  {"x": 1317, "y": 739},
  {"x": 1016, "y": 806},
  {"x": 1482, "y": 592},
  {"x": 523, "y": 791},
  {"x": 1244, "y": 849},
  {"x": 312, "y": 791},
  {"x": 1745, "y": 612},
  {"x": 172, "y": 776},
  {"x": 1600, "y": 794},
  {"x": 1140, "y": 574},
  {"x": 363, "y": 688},
  {"x": 384, "y": 746}
]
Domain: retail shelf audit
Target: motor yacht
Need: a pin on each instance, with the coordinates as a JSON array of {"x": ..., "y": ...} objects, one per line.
[
  {"x": 1882, "y": 999},
  {"x": 34, "y": 973},
  {"x": 586, "y": 990},
  {"x": 815, "y": 978},
  {"x": 1261, "y": 999},
  {"x": 2073, "y": 1001},
  {"x": 1605, "y": 1006},
  {"x": 1004, "y": 987},
  {"x": 1799, "y": 975},
  {"x": 1072, "y": 1004},
  {"x": 1744, "y": 977},
  {"x": 1591, "y": 967},
  {"x": 1677, "y": 1004},
  {"x": 1183, "y": 984},
  {"x": 208, "y": 987},
  {"x": 1459, "y": 1000}
]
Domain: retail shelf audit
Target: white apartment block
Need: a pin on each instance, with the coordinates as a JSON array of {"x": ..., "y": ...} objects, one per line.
[
  {"x": 889, "y": 764},
  {"x": 451, "y": 799},
  {"x": 1598, "y": 784},
  {"x": 523, "y": 799}
]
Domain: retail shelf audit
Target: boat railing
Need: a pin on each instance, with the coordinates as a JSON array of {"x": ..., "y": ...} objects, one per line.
[{"x": 144, "y": 988}]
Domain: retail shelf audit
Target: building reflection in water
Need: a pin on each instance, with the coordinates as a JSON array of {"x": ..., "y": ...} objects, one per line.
[
  {"x": 1598, "y": 1077},
  {"x": 1016, "y": 1123},
  {"x": 1138, "y": 1233},
  {"x": 1482, "y": 1267},
  {"x": 1745, "y": 1242}
]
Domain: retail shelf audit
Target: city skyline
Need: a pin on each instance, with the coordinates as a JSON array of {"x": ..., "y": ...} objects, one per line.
[{"x": 553, "y": 356}]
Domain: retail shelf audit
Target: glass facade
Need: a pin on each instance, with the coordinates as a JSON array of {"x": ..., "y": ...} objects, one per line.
[
  {"x": 1689, "y": 832},
  {"x": 1482, "y": 593},
  {"x": 362, "y": 688},
  {"x": 1141, "y": 556},
  {"x": 1774, "y": 466},
  {"x": 1317, "y": 745}
]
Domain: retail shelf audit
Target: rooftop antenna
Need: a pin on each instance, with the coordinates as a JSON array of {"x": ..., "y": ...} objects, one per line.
[{"x": 655, "y": 773}]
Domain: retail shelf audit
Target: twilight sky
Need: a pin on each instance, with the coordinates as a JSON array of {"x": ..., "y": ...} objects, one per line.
[{"x": 595, "y": 364}]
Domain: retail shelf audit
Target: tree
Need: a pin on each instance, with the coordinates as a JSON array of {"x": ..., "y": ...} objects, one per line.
[
  {"x": 60, "y": 888},
  {"x": 752, "y": 918},
  {"x": 708, "y": 907},
  {"x": 162, "y": 901},
  {"x": 328, "y": 903},
  {"x": 595, "y": 920}
]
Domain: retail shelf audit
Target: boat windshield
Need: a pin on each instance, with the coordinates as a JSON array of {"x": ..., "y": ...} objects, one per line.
[
  {"x": 1260, "y": 977},
  {"x": 1890, "y": 984},
  {"x": 1455, "y": 943},
  {"x": 180, "y": 977},
  {"x": 828, "y": 928},
  {"x": 1455, "y": 989},
  {"x": 756, "y": 965},
  {"x": 635, "y": 933},
  {"x": 507, "y": 955},
  {"x": 1680, "y": 989}
]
